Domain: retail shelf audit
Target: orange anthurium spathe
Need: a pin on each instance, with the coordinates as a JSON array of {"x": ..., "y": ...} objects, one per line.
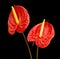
[
  {"x": 47, "y": 34},
  {"x": 18, "y": 19}
]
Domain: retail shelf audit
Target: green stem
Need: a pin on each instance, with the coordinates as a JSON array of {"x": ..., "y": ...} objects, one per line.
[
  {"x": 27, "y": 45},
  {"x": 37, "y": 50}
]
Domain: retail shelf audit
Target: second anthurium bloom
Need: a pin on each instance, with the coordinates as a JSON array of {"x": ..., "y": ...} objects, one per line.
[
  {"x": 18, "y": 19},
  {"x": 41, "y": 34}
]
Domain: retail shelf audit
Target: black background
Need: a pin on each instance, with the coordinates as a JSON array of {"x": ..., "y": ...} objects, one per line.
[{"x": 14, "y": 46}]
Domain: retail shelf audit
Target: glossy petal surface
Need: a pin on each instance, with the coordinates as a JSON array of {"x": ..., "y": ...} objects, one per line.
[
  {"x": 48, "y": 34},
  {"x": 23, "y": 17}
]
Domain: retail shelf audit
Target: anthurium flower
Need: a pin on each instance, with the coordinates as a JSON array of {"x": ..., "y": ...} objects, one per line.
[
  {"x": 41, "y": 34},
  {"x": 18, "y": 19}
]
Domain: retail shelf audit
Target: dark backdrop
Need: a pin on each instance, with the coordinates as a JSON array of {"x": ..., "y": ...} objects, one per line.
[{"x": 14, "y": 46}]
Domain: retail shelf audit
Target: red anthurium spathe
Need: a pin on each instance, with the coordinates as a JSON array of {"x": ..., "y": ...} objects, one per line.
[
  {"x": 18, "y": 19},
  {"x": 47, "y": 35}
]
